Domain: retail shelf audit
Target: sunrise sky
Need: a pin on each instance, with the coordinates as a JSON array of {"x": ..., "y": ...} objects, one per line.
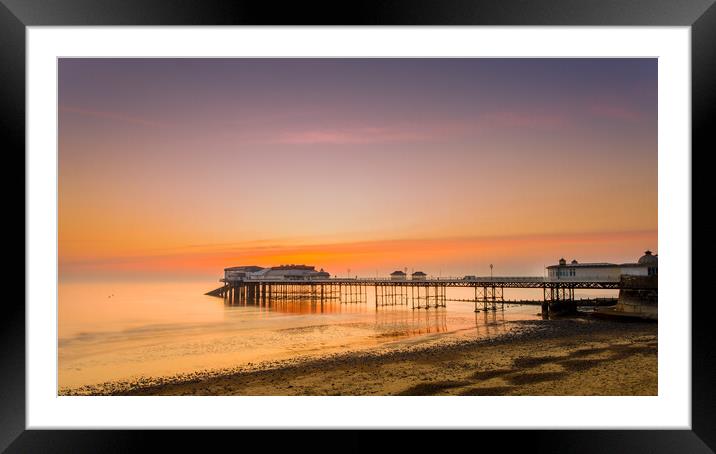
[{"x": 181, "y": 167}]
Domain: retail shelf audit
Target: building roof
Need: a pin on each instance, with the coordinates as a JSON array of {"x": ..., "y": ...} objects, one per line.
[
  {"x": 248, "y": 268},
  {"x": 397, "y": 273},
  {"x": 584, "y": 265},
  {"x": 294, "y": 267},
  {"x": 648, "y": 259},
  {"x": 598, "y": 265},
  {"x": 419, "y": 273}
]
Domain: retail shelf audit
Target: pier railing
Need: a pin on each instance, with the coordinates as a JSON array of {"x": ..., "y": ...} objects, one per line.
[
  {"x": 388, "y": 279},
  {"x": 339, "y": 279}
]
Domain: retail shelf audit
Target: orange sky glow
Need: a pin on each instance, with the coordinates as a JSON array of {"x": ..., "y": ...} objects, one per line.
[{"x": 179, "y": 168}]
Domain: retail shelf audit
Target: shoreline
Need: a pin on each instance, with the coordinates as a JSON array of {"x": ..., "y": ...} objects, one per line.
[{"x": 570, "y": 356}]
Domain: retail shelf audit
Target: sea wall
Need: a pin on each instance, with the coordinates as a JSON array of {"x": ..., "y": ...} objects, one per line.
[{"x": 638, "y": 296}]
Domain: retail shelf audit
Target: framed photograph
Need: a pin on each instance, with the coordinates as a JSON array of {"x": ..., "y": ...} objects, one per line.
[{"x": 415, "y": 216}]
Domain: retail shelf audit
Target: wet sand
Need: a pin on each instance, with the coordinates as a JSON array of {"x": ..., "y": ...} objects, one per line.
[{"x": 576, "y": 356}]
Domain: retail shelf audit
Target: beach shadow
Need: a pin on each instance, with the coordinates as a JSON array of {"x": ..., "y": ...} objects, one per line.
[
  {"x": 577, "y": 365},
  {"x": 530, "y": 378},
  {"x": 488, "y": 391},
  {"x": 528, "y": 362},
  {"x": 588, "y": 352},
  {"x": 488, "y": 374},
  {"x": 430, "y": 389},
  {"x": 625, "y": 351}
]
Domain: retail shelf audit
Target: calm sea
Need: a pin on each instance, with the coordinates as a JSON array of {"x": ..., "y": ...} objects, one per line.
[{"x": 121, "y": 331}]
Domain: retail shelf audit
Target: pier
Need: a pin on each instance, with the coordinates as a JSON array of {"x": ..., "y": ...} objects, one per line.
[{"x": 558, "y": 295}]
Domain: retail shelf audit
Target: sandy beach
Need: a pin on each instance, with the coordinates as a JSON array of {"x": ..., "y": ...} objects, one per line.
[{"x": 575, "y": 356}]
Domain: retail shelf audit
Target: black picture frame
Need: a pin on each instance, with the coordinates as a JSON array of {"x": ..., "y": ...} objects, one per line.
[{"x": 700, "y": 15}]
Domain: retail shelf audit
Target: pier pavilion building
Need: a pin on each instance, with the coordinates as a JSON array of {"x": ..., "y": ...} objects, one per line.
[
  {"x": 647, "y": 265},
  {"x": 397, "y": 276},
  {"x": 240, "y": 272},
  {"x": 281, "y": 272}
]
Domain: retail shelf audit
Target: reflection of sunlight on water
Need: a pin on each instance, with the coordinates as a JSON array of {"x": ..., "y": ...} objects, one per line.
[{"x": 163, "y": 329}]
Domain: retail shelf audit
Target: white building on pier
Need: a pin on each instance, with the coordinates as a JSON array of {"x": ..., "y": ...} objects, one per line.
[{"x": 647, "y": 265}]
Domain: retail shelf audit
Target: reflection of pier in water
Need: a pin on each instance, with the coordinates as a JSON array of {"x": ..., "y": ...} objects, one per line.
[
  {"x": 397, "y": 321},
  {"x": 489, "y": 322},
  {"x": 298, "y": 305},
  {"x": 390, "y": 320}
]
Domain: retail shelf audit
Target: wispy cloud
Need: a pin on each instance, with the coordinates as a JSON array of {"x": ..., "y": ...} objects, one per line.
[
  {"x": 522, "y": 120},
  {"x": 419, "y": 131},
  {"x": 350, "y": 136},
  {"x": 616, "y": 112},
  {"x": 110, "y": 116}
]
